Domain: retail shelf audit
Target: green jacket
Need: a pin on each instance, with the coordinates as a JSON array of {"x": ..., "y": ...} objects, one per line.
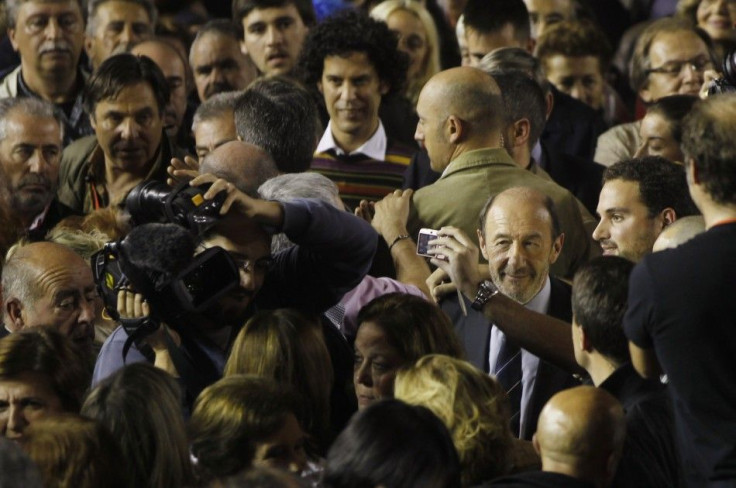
[
  {"x": 82, "y": 173},
  {"x": 457, "y": 198}
]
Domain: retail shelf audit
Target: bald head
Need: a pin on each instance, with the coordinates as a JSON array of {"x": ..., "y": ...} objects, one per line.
[
  {"x": 679, "y": 232},
  {"x": 244, "y": 165},
  {"x": 459, "y": 110},
  {"x": 47, "y": 284},
  {"x": 581, "y": 433}
]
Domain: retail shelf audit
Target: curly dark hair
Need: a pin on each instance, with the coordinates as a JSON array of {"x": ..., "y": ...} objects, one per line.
[
  {"x": 662, "y": 184},
  {"x": 351, "y": 31}
]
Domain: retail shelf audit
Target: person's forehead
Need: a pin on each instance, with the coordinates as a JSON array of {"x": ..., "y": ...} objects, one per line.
[
  {"x": 522, "y": 216},
  {"x": 574, "y": 65},
  {"x": 166, "y": 57},
  {"x": 248, "y": 241},
  {"x": 24, "y": 384},
  {"x": 676, "y": 46},
  {"x": 214, "y": 46},
  {"x": 355, "y": 63},
  {"x": 132, "y": 98},
  {"x": 49, "y": 7},
  {"x": 620, "y": 193},
  {"x": 545, "y": 7},
  {"x": 271, "y": 14},
  {"x": 21, "y": 126},
  {"x": 115, "y": 10}
]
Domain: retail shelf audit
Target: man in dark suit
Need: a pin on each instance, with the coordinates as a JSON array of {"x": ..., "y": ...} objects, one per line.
[{"x": 520, "y": 237}]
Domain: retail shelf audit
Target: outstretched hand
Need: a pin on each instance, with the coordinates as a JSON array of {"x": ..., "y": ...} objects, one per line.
[{"x": 179, "y": 170}]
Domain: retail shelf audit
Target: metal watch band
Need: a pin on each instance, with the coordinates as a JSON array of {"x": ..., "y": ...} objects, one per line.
[{"x": 486, "y": 291}]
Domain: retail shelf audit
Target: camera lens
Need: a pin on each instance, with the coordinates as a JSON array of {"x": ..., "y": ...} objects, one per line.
[{"x": 146, "y": 202}]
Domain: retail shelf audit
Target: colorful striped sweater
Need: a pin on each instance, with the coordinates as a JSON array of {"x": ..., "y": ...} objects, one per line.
[{"x": 358, "y": 177}]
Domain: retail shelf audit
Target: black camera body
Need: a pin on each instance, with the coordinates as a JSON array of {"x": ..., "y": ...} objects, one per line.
[{"x": 727, "y": 84}]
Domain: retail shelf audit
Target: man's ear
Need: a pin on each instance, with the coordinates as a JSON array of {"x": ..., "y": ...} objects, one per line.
[
  {"x": 668, "y": 216},
  {"x": 384, "y": 87},
  {"x": 583, "y": 338},
  {"x": 645, "y": 94},
  {"x": 482, "y": 244},
  {"x": 455, "y": 129},
  {"x": 88, "y": 43},
  {"x": 11, "y": 36},
  {"x": 13, "y": 315},
  {"x": 535, "y": 443},
  {"x": 243, "y": 48},
  {"x": 319, "y": 87},
  {"x": 550, "y": 104},
  {"x": 557, "y": 248},
  {"x": 691, "y": 167},
  {"x": 522, "y": 129}
]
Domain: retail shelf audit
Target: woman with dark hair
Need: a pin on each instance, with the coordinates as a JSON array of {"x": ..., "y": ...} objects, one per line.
[
  {"x": 392, "y": 444},
  {"x": 42, "y": 373},
  {"x": 395, "y": 331},
  {"x": 141, "y": 406},
  {"x": 661, "y": 127}
]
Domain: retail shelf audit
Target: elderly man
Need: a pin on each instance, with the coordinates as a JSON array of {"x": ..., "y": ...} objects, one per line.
[
  {"x": 216, "y": 60},
  {"x": 639, "y": 199},
  {"x": 461, "y": 118},
  {"x": 31, "y": 132},
  {"x": 115, "y": 26},
  {"x": 47, "y": 284},
  {"x": 680, "y": 318},
  {"x": 520, "y": 237},
  {"x": 213, "y": 123},
  {"x": 48, "y": 35},
  {"x": 125, "y": 99},
  {"x": 580, "y": 438},
  {"x": 273, "y": 32},
  {"x": 244, "y": 165},
  {"x": 354, "y": 62},
  {"x": 599, "y": 299},
  {"x": 670, "y": 58}
]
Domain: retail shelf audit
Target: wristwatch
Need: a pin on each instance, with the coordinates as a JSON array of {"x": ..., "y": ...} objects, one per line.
[{"x": 486, "y": 291}]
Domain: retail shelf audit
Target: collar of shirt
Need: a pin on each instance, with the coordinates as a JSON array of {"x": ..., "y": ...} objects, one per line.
[
  {"x": 374, "y": 148},
  {"x": 540, "y": 302}
]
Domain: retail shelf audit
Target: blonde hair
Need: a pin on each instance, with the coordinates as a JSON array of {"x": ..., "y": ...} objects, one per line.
[
  {"x": 431, "y": 64},
  {"x": 471, "y": 404},
  {"x": 75, "y": 452},
  {"x": 285, "y": 346}
]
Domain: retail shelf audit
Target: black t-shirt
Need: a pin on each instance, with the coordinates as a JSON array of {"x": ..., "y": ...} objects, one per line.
[{"x": 681, "y": 304}]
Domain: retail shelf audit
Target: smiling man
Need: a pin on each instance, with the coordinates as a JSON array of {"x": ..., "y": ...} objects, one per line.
[
  {"x": 639, "y": 198},
  {"x": 48, "y": 37},
  {"x": 274, "y": 31},
  {"x": 126, "y": 99},
  {"x": 355, "y": 62}
]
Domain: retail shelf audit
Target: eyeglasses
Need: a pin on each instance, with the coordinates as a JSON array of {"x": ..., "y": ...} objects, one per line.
[{"x": 674, "y": 68}]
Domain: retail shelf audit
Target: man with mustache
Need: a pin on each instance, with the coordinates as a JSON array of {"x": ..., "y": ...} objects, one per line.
[
  {"x": 115, "y": 26},
  {"x": 354, "y": 62},
  {"x": 31, "y": 132},
  {"x": 125, "y": 99},
  {"x": 48, "y": 37},
  {"x": 639, "y": 199},
  {"x": 217, "y": 62}
]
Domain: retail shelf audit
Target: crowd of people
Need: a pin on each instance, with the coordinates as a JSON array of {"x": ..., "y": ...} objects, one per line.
[{"x": 367, "y": 243}]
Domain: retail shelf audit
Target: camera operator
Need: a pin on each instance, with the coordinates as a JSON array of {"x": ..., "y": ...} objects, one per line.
[{"x": 334, "y": 251}]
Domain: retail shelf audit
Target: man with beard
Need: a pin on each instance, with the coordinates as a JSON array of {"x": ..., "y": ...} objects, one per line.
[
  {"x": 126, "y": 99},
  {"x": 333, "y": 253},
  {"x": 520, "y": 236},
  {"x": 31, "y": 132},
  {"x": 217, "y": 62},
  {"x": 115, "y": 26},
  {"x": 48, "y": 36}
]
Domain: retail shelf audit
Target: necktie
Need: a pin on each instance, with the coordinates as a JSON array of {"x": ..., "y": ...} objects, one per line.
[{"x": 508, "y": 373}]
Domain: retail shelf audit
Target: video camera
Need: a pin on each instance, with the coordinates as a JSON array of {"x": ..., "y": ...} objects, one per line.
[
  {"x": 157, "y": 258},
  {"x": 726, "y": 84}
]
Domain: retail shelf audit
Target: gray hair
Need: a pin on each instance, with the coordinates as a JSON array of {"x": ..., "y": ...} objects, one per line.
[
  {"x": 291, "y": 186},
  {"x": 93, "y": 5},
  {"x": 30, "y": 106},
  {"x": 216, "y": 106},
  {"x": 12, "y": 7},
  {"x": 513, "y": 59},
  {"x": 19, "y": 281}
]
